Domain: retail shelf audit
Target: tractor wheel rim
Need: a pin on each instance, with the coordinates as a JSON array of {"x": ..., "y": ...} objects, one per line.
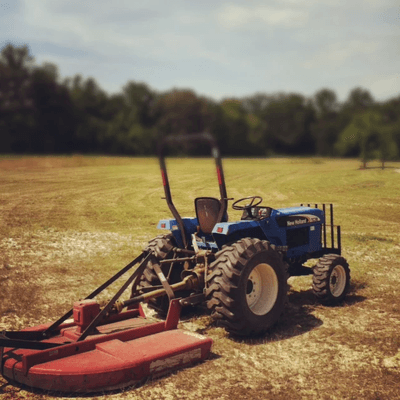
[
  {"x": 262, "y": 289},
  {"x": 337, "y": 281}
]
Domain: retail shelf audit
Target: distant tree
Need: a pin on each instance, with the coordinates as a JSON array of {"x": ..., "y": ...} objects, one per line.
[
  {"x": 141, "y": 100},
  {"x": 131, "y": 129},
  {"x": 235, "y": 121},
  {"x": 53, "y": 112},
  {"x": 368, "y": 137},
  {"x": 258, "y": 135},
  {"x": 391, "y": 109},
  {"x": 367, "y": 125},
  {"x": 391, "y": 116},
  {"x": 40, "y": 114},
  {"x": 257, "y": 103},
  {"x": 91, "y": 107},
  {"x": 325, "y": 101},
  {"x": 218, "y": 125},
  {"x": 325, "y": 128},
  {"x": 388, "y": 145},
  {"x": 359, "y": 100},
  {"x": 181, "y": 112},
  {"x": 289, "y": 118},
  {"x": 16, "y": 106}
]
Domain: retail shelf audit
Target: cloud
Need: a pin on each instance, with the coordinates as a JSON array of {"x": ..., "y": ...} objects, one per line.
[
  {"x": 338, "y": 53},
  {"x": 230, "y": 47},
  {"x": 87, "y": 23},
  {"x": 122, "y": 28},
  {"x": 383, "y": 86},
  {"x": 232, "y": 16}
]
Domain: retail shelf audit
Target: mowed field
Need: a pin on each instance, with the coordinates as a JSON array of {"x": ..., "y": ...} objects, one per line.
[{"x": 68, "y": 223}]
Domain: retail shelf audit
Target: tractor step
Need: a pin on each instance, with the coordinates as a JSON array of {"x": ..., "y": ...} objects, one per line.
[{"x": 119, "y": 354}]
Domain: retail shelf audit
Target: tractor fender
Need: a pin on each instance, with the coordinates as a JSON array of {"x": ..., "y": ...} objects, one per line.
[
  {"x": 172, "y": 225},
  {"x": 228, "y": 232}
]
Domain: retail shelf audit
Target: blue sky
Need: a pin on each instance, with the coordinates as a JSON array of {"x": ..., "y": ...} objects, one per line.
[{"x": 217, "y": 48}]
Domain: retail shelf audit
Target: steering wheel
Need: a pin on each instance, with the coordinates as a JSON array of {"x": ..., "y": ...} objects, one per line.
[{"x": 253, "y": 202}]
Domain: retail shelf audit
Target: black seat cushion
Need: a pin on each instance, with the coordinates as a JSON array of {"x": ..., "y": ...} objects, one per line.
[{"x": 207, "y": 211}]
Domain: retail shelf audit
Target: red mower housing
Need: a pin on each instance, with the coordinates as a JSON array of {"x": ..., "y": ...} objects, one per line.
[{"x": 126, "y": 350}]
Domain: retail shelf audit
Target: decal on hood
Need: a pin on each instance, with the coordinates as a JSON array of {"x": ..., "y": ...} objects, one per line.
[{"x": 295, "y": 220}]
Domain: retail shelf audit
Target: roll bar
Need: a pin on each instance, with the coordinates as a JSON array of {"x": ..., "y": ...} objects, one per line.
[{"x": 195, "y": 137}]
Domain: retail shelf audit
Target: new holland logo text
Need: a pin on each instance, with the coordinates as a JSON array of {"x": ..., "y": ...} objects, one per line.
[
  {"x": 299, "y": 219},
  {"x": 297, "y": 222}
]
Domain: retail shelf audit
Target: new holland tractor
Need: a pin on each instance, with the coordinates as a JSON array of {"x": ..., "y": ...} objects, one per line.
[{"x": 239, "y": 269}]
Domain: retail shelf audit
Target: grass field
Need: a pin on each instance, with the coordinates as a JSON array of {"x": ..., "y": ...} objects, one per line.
[{"x": 68, "y": 223}]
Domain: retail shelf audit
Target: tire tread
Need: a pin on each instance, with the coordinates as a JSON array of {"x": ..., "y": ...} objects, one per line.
[
  {"x": 321, "y": 276},
  {"x": 222, "y": 283}
]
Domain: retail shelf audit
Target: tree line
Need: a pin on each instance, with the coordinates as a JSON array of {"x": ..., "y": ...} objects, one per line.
[{"x": 42, "y": 114}]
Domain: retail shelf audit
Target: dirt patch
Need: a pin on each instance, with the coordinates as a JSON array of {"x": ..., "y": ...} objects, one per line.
[
  {"x": 41, "y": 272},
  {"x": 54, "y": 247}
]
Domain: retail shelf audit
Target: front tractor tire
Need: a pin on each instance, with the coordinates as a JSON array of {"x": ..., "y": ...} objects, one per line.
[
  {"x": 331, "y": 279},
  {"x": 246, "y": 287}
]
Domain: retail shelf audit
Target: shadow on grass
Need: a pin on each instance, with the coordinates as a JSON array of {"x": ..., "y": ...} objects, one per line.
[
  {"x": 3, "y": 387},
  {"x": 376, "y": 167},
  {"x": 352, "y": 297},
  {"x": 297, "y": 318}
]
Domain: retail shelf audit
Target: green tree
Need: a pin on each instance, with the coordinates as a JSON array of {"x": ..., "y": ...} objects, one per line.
[
  {"x": 325, "y": 101},
  {"x": 359, "y": 100},
  {"x": 53, "y": 112},
  {"x": 391, "y": 116},
  {"x": 289, "y": 118},
  {"x": 16, "y": 105},
  {"x": 368, "y": 137},
  {"x": 182, "y": 112},
  {"x": 258, "y": 135},
  {"x": 257, "y": 103},
  {"x": 91, "y": 113},
  {"x": 388, "y": 145},
  {"x": 131, "y": 130},
  {"x": 325, "y": 129},
  {"x": 236, "y": 127}
]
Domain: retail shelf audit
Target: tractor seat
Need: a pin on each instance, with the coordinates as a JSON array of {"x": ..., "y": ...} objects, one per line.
[{"x": 207, "y": 211}]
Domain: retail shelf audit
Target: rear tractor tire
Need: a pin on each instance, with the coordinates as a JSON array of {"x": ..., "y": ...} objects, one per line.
[
  {"x": 331, "y": 279},
  {"x": 162, "y": 246},
  {"x": 246, "y": 287}
]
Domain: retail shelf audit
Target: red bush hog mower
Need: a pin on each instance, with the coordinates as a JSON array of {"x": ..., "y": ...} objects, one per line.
[{"x": 237, "y": 269}]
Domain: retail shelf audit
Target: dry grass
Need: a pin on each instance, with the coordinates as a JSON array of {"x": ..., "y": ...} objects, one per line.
[{"x": 68, "y": 223}]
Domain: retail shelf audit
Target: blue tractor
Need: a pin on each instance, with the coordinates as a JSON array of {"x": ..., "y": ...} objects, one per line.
[{"x": 239, "y": 269}]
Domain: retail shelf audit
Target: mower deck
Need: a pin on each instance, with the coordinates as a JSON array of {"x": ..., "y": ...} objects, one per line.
[{"x": 124, "y": 351}]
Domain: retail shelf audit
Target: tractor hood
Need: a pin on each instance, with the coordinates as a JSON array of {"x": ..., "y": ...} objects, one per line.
[{"x": 295, "y": 216}]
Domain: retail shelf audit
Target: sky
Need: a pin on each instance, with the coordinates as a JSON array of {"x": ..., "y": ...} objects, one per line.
[{"x": 219, "y": 49}]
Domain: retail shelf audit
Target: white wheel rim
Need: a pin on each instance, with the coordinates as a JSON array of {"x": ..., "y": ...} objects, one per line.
[
  {"x": 337, "y": 281},
  {"x": 262, "y": 289}
]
